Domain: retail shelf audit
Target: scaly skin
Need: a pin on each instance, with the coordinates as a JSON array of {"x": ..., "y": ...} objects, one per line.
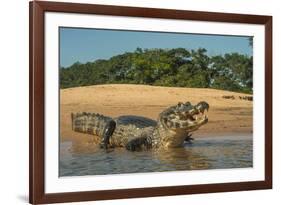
[{"x": 172, "y": 128}]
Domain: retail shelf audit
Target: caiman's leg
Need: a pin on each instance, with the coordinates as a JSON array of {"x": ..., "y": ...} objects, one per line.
[
  {"x": 188, "y": 138},
  {"x": 108, "y": 131},
  {"x": 138, "y": 144}
]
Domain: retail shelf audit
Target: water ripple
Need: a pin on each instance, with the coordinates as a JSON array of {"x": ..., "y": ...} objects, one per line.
[{"x": 202, "y": 154}]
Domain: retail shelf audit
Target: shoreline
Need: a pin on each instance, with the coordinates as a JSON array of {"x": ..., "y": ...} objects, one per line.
[
  {"x": 199, "y": 134},
  {"x": 212, "y": 136},
  {"x": 226, "y": 136}
]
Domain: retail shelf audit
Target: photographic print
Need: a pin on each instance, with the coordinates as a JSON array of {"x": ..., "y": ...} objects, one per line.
[
  {"x": 143, "y": 101},
  {"x": 130, "y": 102}
]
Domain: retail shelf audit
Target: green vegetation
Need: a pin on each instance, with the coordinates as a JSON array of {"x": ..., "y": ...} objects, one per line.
[{"x": 165, "y": 67}]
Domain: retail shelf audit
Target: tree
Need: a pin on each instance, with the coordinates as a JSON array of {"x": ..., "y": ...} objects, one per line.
[{"x": 165, "y": 67}]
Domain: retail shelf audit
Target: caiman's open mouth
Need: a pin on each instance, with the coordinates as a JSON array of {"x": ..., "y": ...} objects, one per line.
[
  {"x": 197, "y": 117},
  {"x": 199, "y": 112},
  {"x": 188, "y": 117}
]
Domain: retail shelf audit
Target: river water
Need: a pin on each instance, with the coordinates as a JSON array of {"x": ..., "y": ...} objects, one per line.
[{"x": 204, "y": 153}]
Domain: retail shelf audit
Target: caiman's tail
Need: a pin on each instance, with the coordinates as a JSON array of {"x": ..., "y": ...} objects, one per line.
[{"x": 90, "y": 123}]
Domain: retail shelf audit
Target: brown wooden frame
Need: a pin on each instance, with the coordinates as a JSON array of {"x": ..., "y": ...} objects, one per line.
[{"x": 36, "y": 142}]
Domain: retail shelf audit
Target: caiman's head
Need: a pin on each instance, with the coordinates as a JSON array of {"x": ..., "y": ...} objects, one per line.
[{"x": 181, "y": 120}]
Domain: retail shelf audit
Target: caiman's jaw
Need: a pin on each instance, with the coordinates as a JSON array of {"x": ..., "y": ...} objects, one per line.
[{"x": 187, "y": 117}]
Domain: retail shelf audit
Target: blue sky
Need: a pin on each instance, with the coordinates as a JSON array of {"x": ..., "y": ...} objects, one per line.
[{"x": 84, "y": 45}]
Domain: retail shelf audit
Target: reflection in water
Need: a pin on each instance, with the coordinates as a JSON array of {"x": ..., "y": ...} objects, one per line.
[{"x": 217, "y": 153}]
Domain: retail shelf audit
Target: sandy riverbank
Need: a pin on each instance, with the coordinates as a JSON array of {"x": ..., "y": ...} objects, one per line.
[{"x": 226, "y": 116}]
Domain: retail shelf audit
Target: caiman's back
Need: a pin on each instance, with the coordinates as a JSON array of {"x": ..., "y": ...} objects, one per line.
[{"x": 130, "y": 127}]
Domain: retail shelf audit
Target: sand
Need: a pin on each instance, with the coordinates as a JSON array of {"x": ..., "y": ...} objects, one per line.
[{"x": 226, "y": 116}]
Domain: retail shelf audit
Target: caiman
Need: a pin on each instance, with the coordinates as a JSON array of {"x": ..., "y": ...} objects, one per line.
[{"x": 174, "y": 125}]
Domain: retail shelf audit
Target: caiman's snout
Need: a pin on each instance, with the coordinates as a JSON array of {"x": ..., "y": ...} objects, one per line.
[
  {"x": 185, "y": 116},
  {"x": 202, "y": 106},
  {"x": 200, "y": 109},
  {"x": 200, "y": 112}
]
